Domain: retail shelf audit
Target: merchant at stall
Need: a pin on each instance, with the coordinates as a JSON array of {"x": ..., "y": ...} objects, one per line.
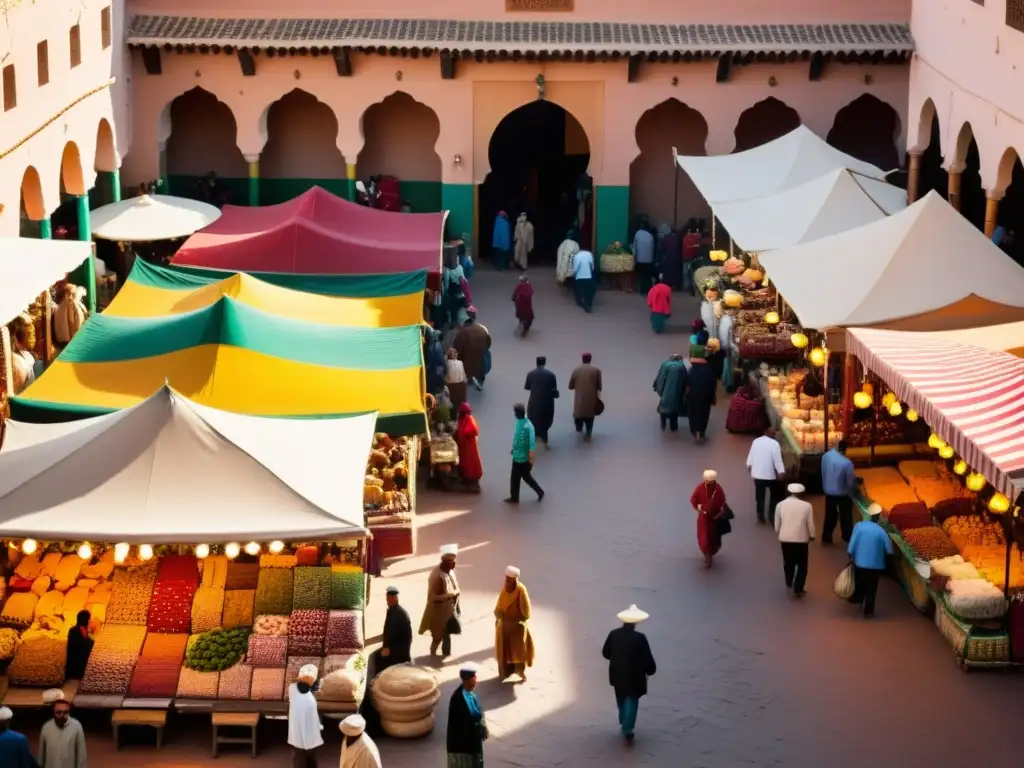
[
  {"x": 79, "y": 647},
  {"x": 14, "y": 749},
  {"x": 304, "y": 725}
]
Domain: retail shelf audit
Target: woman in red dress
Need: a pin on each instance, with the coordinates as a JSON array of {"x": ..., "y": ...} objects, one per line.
[
  {"x": 471, "y": 468},
  {"x": 708, "y": 499}
]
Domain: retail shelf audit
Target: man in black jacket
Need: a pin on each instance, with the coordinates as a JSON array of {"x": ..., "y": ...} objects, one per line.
[
  {"x": 397, "y": 636},
  {"x": 630, "y": 664},
  {"x": 467, "y": 725},
  {"x": 540, "y": 408}
]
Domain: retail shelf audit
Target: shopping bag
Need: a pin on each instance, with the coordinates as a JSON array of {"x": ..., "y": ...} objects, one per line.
[{"x": 844, "y": 585}]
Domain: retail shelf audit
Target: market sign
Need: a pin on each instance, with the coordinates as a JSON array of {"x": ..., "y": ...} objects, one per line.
[{"x": 538, "y": 5}]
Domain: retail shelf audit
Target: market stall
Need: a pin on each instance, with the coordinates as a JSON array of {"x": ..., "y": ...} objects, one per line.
[
  {"x": 317, "y": 233},
  {"x": 183, "y": 612},
  {"x": 955, "y": 517}
]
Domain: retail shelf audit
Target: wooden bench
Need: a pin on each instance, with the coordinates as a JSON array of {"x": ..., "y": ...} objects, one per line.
[
  {"x": 148, "y": 718},
  {"x": 248, "y": 720}
]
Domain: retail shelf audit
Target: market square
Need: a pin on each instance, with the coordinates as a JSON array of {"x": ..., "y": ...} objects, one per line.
[{"x": 274, "y": 492}]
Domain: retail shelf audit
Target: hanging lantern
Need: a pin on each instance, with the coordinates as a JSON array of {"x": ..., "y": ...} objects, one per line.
[
  {"x": 960, "y": 467},
  {"x": 252, "y": 548},
  {"x": 799, "y": 340},
  {"x": 912, "y": 415},
  {"x": 861, "y": 400},
  {"x": 276, "y": 547},
  {"x": 232, "y": 550},
  {"x": 28, "y": 546},
  {"x": 888, "y": 399},
  {"x": 895, "y": 408},
  {"x": 935, "y": 442},
  {"x": 718, "y": 255},
  {"x": 121, "y": 551},
  {"x": 202, "y": 550},
  {"x": 975, "y": 482},
  {"x": 85, "y": 551},
  {"x": 145, "y": 552},
  {"x": 947, "y": 452},
  {"x": 771, "y": 318},
  {"x": 818, "y": 357},
  {"x": 999, "y": 504}
]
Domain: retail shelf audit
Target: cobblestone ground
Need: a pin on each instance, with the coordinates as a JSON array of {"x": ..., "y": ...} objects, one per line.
[{"x": 746, "y": 675}]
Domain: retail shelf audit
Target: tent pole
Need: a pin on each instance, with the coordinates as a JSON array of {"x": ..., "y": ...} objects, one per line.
[
  {"x": 713, "y": 230},
  {"x": 849, "y": 382},
  {"x": 675, "y": 199},
  {"x": 874, "y": 418},
  {"x": 824, "y": 374}
]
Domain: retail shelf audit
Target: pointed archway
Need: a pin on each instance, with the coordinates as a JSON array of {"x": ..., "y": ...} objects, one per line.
[
  {"x": 301, "y": 149},
  {"x": 203, "y": 142},
  {"x": 1011, "y": 207},
  {"x": 765, "y": 121},
  {"x": 972, "y": 192},
  {"x": 660, "y": 192},
  {"x": 32, "y": 209},
  {"x": 399, "y": 135},
  {"x": 867, "y": 128}
]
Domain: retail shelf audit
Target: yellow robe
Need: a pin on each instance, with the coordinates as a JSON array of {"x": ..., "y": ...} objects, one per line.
[{"x": 513, "y": 643}]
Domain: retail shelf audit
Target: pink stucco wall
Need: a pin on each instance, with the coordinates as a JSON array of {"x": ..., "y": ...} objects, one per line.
[
  {"x": 400, "y": 137},
  {"x": 82, "y": 109},
  {"x": 969, "y": 72}
]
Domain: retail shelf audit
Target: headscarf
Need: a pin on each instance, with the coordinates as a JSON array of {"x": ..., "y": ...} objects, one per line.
[
  {"x": 697, "y": 325},
  {"x": 465, "y": 409}
]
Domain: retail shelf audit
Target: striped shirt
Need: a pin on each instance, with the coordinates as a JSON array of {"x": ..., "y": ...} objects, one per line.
[{"x": 524, "y": 442}]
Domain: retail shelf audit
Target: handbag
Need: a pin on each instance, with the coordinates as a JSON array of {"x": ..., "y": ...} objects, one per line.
[
  {"x": 844, "y": 585},
  {"x": 723, "y": 525},
  {"x": 453, "y": 626},
  {"x": 598, "y": 406},
  {"x": 727, "y": 513}
]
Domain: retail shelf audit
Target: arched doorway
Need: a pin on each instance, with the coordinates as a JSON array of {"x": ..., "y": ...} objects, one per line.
[
  {"x": 763, "y": 122},
  {"x": 203, "y": 142},
  {"x": 105, "y": 160},
  {"x": 972, "y": 193},
  {"x": 659, "y": 192},
  {"x": 1011, "y": 207},
  {"x": 867, "y": 129},
  {"x": 32, "y": 208},
  {"x": 399, "y": 136},
  {"x": 301, "y": 149},
  {"x": 932, "y": 175},
  {"x": 64, "y": 220},
  {"x": 538, "y": 155}
]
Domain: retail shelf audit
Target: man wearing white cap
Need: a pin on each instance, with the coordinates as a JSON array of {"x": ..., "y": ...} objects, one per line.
[
  {"x": 869, "y": 546},
  {"x": 358, "y": 749},
  {"x": 467, "y": 724},
  {"x": 14, "y": 749},
  {"x": 630, "y": 663},
  {"x": 441, "y": 616},
  {"x": 304, "y": 725},
  {"x": 513, "y": 643},
  {"x": 794, "y": 522}
]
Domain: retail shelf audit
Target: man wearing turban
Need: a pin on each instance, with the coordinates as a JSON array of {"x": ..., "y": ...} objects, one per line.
[
  {"x": 513, "y": 643},
  {"x": 357, "y": 749}
]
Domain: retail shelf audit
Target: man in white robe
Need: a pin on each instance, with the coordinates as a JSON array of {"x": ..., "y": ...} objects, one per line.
[
  {"x": 358, "y": 749},
  {"x": 304, "y": 719},
  {"x": 62, "y": 740}
]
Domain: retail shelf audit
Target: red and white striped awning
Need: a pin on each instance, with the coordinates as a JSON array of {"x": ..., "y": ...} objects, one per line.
[{"x": 971, "y": 397}]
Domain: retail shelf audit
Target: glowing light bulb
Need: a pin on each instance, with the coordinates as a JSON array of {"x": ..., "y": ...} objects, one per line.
[
  {"x": 999, "y": 503},
  {"x": 85, "y": 551},
  {"x": 818, "y": 357},
  {"x": 975, "y": 482},
  {"x": 935, "y": 442},
  {"x": 861, "y": 400},
  {"x": 947, "y": 452},
  {"x": 799, "y": 340},
  {"x": 895, "y": 409},
  {"x": 771, "y": 318},
  {"x": 888, "y": 399},
  {"x": 28, "y": 546},
  {"x": 252, "y": 548},
  {"x": 276, "y": 547},
  {"x": 202, "y": 550},
  {"x": 232, "y": 550},
  {"x": 145, "y": 552},
  {"x": 912, "y": 415},
  {"x": 121, "y": 552},
  {"x": 960, "y": 467}
]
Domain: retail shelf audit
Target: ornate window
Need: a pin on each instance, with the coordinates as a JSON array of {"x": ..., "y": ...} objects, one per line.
[{"x": 1015, "y": 14}]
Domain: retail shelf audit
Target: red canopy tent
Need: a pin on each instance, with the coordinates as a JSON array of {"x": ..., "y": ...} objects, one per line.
[{"x": 317, "y": 233}]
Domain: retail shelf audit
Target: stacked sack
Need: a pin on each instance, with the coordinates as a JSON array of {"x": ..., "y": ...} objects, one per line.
[{"x": 405, "y": 695}]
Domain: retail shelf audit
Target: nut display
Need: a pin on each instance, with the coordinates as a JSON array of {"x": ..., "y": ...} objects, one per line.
[
  {"x": 235, "y": 683},
  {"x": 274, "y": 592},
  {"x": 312, "y": 587},
  {"x": 271, "y": 625},
  {"x": 238, "y": 608},
  {"x": 267, "y": 684},
  {"x": 39, "y": 662},
  {"x": 267, "y": 651},
  {"x": 207, "y": 608},
  {"x": 193, "y": 684},
  {"x": 133, "y": 589},
  {"x": 344, "y": 632},
  {"x": 9, "y": 639},
  {"x": 306, "y": 631},
  {"x": 112, "y": 660},
  {"x": 348, "y": 586},
  {"x": 929, "y": 543}
]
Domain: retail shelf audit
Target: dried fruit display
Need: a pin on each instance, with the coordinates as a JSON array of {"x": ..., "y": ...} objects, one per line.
[
  {"x": 102, "y": 569},
  {"x": 274, "y": 592},
  {"x": 50, "y": 604},
  {"x": 975, "y": 530},
  {"x": 8, "y": 643},
  {"x": 74, "y": 601},
  {"x": 67, "y": 573},
  {"x": 215, "y": 571},
  {"x": 39, "y": 662},
  {"x": 41, "y": 586},
  {"x": 112, "y": 660},
  {"x": 267, "y": 651},
  {"x": 217, "y": 649},
  {"x": 929, "y": 543},
  {"x": 312, "y": 588},
  {"x": 267, "y": 684},
  {"x": 31, "y": 567},
  {"x": 158, "y": 669},
  {"x": 295, "y": 663},
  {"x": 238, "y": 608},
  {"x": 278, "y": 561},
  {"x": 207, "y": 608},
  {"x": 235, "y": 683},
  {"x": 133, "y": 589},
  {"x": 913, "y": 515},
  {"x": 271, "y": 625},
  {"x": 242, "y": 575},
  {"x": 348, "y": 587},
  {"x": 193, "y": 684},
  {"x": 170, "y": 610},
  {"x": 20, "y": 609},
  {"x": 344, "y": 632},
  {"x": 179, "y": 568},
  {"x": 307, "y": 629},
  {"x": 48, "y": 564}
]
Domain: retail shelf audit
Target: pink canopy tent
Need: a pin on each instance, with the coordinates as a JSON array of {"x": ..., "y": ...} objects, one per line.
[{"x": 317, "y": 233}]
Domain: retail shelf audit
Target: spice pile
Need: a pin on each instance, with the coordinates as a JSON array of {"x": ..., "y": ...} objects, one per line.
[
  {"x": 929, "y": 543},
  {"x": 157, "y": 670},
  {"x": 274, "y": 592},
  {"x": 112, "y": 660}
]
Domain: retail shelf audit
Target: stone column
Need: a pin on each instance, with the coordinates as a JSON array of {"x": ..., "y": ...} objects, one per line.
[
  {"x": 85, "y": 235},
  {"x": 350, "y": 181},
  {"x": 115, "y": 185},
  {"x": 991, "y": 215},
  {"x": 45, "y": 229},
  {"x": 254, "y": 179},
  {"x": 953, "y": 194},
  {"x": 913, "y": 176}
]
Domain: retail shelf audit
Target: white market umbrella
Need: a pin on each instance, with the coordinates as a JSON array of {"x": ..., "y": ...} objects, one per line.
[
  {"x": 147, "y": 218},
  {"x": 31, "y": 267}
]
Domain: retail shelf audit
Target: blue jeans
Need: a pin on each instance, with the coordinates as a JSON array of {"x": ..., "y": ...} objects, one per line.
[{"x": 628, "y": 706}]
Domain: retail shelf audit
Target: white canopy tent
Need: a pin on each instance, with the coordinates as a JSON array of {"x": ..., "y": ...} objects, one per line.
[
  {"x": 836, "y": 202},
  {"x": 789, "y": 161},
  {"x": 147, "y": 218},
  {"x": 1008, "y": 337},
  {"x": 32, "y": 266},
  {"x": 169, "y": 470},
  {"x": 925, "y": 268}
]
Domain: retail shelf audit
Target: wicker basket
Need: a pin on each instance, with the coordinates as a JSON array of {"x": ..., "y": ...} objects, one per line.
[
  {"x": 915, "y": 586},
  {"x": 617, "y": 262},
  {"x": 951, "y": 629}
]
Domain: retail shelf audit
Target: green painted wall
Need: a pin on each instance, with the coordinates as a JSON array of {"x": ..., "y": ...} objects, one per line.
[
  {"x": 458, "y": 199},
  {"x": 612, "y": 216},
  {"x": 423, "y": 196},
  {"x": 185, "y": 186}
]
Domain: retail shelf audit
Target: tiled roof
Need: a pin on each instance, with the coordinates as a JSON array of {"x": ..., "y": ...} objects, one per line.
[{"x": 521, "y": 35}]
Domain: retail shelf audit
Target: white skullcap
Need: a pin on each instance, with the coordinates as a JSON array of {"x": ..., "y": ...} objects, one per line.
[
  {"x": 875, "y": 510},
  {"x": 796, "y": 488},
  {"x": 52, "y": 695},
  {"x": 309, "y": 670},
  {"x": 353, "y": 725},
  {"x": 6, "y": 714},
  {"x": 632, "y": 615},
  {"x": 709, "y": 475},
  {"x": 512, "y": 572},
  {"x": 467, "y": 670},
  {"x": 449, "y": 550}
]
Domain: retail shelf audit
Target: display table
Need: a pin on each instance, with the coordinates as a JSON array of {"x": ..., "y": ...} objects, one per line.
[
  {"x": 142, "y": 718},
  {"x": 617, "y": 271}
]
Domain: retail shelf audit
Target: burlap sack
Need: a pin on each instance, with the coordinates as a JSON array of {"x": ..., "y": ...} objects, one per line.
[
  {"x": 403, "y": 682},
  {"x": 408, "y": 730},
  {"x": 409, "y": 711}
]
